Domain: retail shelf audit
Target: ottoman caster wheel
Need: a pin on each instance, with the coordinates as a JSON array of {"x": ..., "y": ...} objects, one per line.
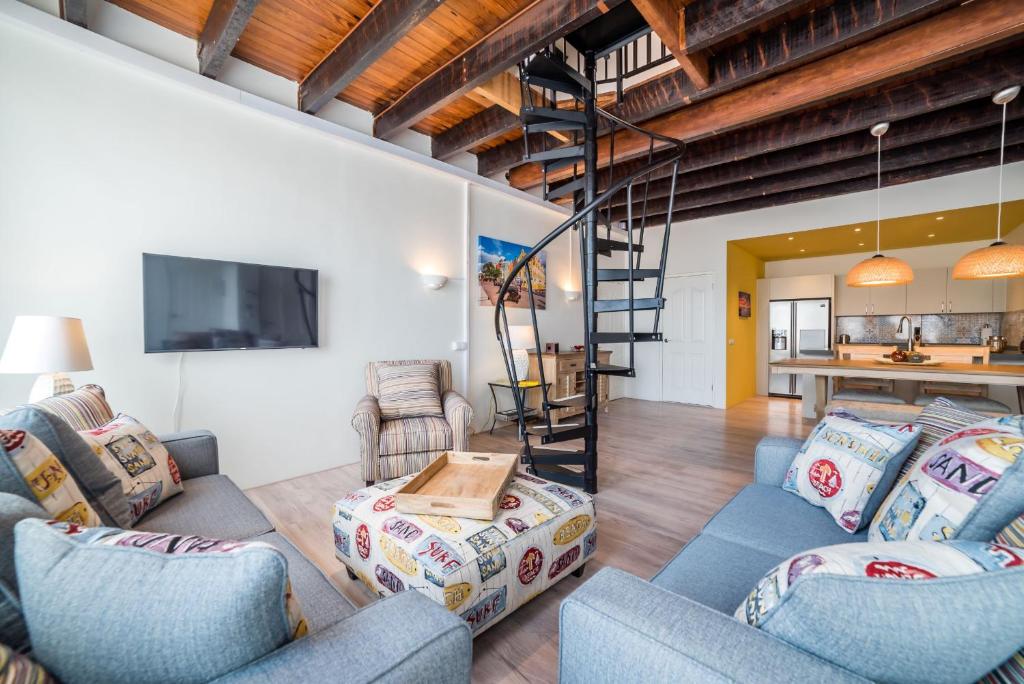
[
  {"x": 578, "y": 572},
  {"x": 351, "y": 575}
]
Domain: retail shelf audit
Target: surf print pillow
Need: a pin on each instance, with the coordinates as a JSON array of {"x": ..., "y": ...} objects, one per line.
[
  {"x": 847, "y": 465},
  {"x": 969, "y": 485},
  {"x": 147, "y": 471},
  {"x": 897, "y": 611}
]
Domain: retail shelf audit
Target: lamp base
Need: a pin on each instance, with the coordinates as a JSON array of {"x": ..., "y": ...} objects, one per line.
[
  {"x": 50, "y": 385},
  {"x": 521, "y": 361}
]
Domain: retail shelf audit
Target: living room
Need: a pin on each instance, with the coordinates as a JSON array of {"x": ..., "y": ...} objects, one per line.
[{"x": 329, "y": 158}]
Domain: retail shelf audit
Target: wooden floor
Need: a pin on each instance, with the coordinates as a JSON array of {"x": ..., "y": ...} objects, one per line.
[{"x": 664, "y": 471}]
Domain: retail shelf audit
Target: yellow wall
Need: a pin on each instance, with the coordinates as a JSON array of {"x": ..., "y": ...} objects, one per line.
[{"x": 742, "y": 271}]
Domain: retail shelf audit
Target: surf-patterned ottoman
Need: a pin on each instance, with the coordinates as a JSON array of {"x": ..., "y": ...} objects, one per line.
[{"x": 482, "y": 570}]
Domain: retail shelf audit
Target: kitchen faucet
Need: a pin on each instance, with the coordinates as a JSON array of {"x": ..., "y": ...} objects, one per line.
[{"x": 910, "y": 332}]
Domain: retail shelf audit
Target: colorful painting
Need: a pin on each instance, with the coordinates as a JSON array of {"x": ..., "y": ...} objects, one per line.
[
  {"x": 744, "y": 305},
  {"x": 495, "y": 260}
]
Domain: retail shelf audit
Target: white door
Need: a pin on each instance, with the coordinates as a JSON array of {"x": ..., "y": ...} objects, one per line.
[{"x": 687, "y": 359}]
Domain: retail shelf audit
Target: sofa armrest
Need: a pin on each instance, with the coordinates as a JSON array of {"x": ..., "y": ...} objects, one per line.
[
  {"x": 366, "y": 421},
  {"x": 459, "y": 414},
  {"x": 195, "y": 452},
  {"x": 618, "y": 628},
  {"x": 403, "y": 638},
  {"x": 772, "y": 458}
]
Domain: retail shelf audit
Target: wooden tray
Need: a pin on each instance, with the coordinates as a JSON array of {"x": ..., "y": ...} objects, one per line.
[
  {"x": 461, "y": 484},
  {"x": 926, "y": 362}
]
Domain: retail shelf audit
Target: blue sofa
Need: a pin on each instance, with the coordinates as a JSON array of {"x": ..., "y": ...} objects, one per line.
[
  {"x": 680, "y": 626},
  {"x": 406, "y": 637}
]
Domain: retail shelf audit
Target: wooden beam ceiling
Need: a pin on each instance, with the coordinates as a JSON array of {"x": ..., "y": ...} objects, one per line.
[
  {"x": 473, "y": 131},
  {"x": 964, "y": 29},
  {"x": 665, "y": 18},
  {"x": 75, "y": 11},
  {"x": 532, "y": 29},
  {"x": 944, "y": 168},
  {"x": 375, "y": 34},
  {"x": 223, "y": 28},
  {"x": 841, "y": 24},
  {"x": 708, "y": 22}
]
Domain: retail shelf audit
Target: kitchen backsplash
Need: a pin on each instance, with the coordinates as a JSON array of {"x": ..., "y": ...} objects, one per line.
[
  {"x": 1013, "y": 327},
  {"x": 935, "y": 328}
]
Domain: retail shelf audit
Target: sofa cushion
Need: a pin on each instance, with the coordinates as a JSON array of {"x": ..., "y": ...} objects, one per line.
[
  {"x": 409, "y": 391},
  {"x": 20, "y": 669},
  {"x": 414, "y": 435},
  {"x": 109, "y": 605},
  {"x": 83, "y": 409},
  {"x": 969, "y": 485},
  {"x": 148, "y": 474},
  {"x": 775, "y": 522},
  {"x": 898, "y": 611},
  {"x": 211, "y": 506},
  {"x": 101, "y": 488},
  {"x": 715, "y": 572},
  {"x": 848, "y": 465},
  {"x": 322, "y": 604},
  {"x": 13, "y": 509}
]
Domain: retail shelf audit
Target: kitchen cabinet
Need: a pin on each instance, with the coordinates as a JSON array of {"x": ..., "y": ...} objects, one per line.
[
  {"x": 926, "y": 294},
  {"x": 968, "y": 296},
  {"x": 860, "y": 301},
  {"x": 934, "y": 291},
  {"x": 566, "y": 371}
]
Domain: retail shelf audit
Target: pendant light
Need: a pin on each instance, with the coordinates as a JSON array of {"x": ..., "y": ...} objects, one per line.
[
  {"x": 998, "y": 260},
  {"x": 879, "y": 270}
]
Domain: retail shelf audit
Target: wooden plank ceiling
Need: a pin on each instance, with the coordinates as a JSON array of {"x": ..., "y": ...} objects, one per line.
[{"x": 773, "y": 97}]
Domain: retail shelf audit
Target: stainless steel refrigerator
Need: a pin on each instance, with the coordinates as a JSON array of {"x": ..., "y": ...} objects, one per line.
[{"x": 800, "y": 328}]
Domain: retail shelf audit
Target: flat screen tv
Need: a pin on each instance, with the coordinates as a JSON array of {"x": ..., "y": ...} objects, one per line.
[{"x": 206, "y": 305}]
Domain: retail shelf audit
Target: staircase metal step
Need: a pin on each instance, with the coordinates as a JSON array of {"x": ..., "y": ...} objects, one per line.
[
  {"x": 577, "y": 401},
  {"x": 646, "y": 304},
  {"x": 550, "y": 456},
  {"x": 545, "y": 114},
  {"x": 559, "y": 474},
  {"x": 559, "y": 433},
  {"x": 609, "y": 369},
  {"x": 549, "y": 71},
  {"x": 605, "y": 245},
  {"x": 543, "y": 126},
  {"x": 612, "y": 275},
  {"x": 556, "y": 164},
  {"x": 570, "y": 152},
  {"x": 565, "y": 189},
  {"x": 619, "y": 337}
]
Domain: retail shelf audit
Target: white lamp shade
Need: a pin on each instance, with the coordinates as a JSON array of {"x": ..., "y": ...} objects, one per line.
[
  {"x": 520, "y": 337},
  {"x": 46, "y": 344}
]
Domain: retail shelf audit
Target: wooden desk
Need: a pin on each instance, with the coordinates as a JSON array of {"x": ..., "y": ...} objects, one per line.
[
  {"x": 972, "y": 373},
  {"x": 565, "y": 372}
]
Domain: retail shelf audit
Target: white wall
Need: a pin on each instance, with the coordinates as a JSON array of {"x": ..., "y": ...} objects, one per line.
[
  {"x": 935, "y": 256},
  {"x": 700, "y": 246},
  {"x": 105, "y": 160}
]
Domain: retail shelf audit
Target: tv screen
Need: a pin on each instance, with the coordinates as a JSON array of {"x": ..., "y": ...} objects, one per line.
[{"x": 204, "y": 305}]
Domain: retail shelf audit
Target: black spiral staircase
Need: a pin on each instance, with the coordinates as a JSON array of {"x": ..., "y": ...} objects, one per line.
[{"x": 559, "y": 98}]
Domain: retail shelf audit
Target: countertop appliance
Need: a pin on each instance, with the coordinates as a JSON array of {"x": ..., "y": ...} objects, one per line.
[
  {"x": 996, "y": 343},
  {"x": 800, "y": 328}
]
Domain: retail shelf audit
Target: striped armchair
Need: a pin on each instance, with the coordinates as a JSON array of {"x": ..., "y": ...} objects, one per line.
[{"x": 392, "y": 448}]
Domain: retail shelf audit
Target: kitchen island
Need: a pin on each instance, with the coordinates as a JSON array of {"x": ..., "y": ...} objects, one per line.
[{"x": 971, "y": 373}]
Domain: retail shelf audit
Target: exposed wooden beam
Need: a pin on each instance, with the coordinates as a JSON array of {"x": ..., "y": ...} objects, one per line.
[
  {"x": 535, "y": 27},
  {"x": 473, "y": 131},
  {"x": 965, "y": 29},
  {"x": 666, "y": 18},
  {"x": 936, "y": 170},
  {"x": 223, "y": 28},
  {"x": 505, "y": 91},
  {"x": 936, "y": 125},
  {"x": 929, "y": 152},
  {"x": 376, "y": 33},
  {"x": 840, "y": 25},
  {"x": 74, "y": 11},
  {"x": 709, "y": 22}
]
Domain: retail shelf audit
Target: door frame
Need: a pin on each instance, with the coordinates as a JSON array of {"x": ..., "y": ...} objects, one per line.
[{"x": 709, "y": 319}]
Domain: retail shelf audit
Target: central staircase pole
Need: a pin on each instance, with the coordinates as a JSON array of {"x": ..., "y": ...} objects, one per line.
[{"x": 590, "y": 272}]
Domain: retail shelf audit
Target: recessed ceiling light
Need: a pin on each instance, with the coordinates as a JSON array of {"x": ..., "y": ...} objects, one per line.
[
  {"x": 790, "y": 238},
  {"x": 856, "y": 230},
  {"x": 931, "y": 234},
  {"x": 803, "y": 250},
  {"x": 861, "y": 244},
  {"x": 939, "y": 218}
]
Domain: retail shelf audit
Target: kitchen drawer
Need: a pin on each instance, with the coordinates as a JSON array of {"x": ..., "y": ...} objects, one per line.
[{"x": 570, "y": 365}]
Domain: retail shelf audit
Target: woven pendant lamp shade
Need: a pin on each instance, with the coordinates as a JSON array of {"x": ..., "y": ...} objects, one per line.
[
  {"x": 880, "y": 270},
  {"x": 998, "y": 260}
]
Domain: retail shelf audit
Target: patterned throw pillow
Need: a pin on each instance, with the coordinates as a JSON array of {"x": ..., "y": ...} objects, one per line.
[
  {"x": 408, "y": 391},
  {"x": 847, "y": 465},
  {"x": 969, "y": 485},
  {"x": 147, "y": 472},
  {"x": 83, "y": 409},
  {"x": 19, "y": 669},
  {"x": 186, "y": 608},
  {"x": 47, "y": 478},
  {"x": 851, "y": 604}
]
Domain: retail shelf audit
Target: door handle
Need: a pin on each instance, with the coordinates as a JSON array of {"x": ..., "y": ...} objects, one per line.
[
  {"x": 950, "y": 306},
  {"x": 665, "y": 340}
]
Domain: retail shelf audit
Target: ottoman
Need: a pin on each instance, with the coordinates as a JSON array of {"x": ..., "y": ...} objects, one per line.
[{"x": 482, "y": 570}]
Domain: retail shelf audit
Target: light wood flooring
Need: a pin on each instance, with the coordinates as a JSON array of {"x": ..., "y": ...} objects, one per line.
[{"x": 664, "y": 471}]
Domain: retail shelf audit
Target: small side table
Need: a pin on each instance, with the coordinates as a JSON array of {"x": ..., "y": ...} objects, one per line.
[{"x": 509, "y": 415}]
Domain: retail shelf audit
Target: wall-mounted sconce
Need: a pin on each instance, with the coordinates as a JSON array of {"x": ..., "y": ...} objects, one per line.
[
  {"x": 433, "y": 282},
  {"x": 572, "y": 295}
]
